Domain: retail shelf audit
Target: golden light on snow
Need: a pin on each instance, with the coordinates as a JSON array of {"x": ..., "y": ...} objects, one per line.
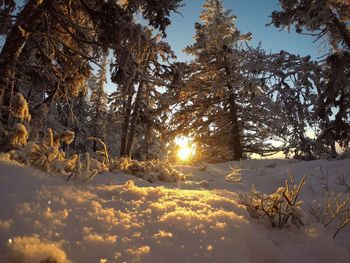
[{"x": 312, "y": 232}]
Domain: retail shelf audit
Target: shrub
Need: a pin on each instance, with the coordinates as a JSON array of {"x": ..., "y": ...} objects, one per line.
[
  {"x": 149, "y": 170},
  {"x": 45, "y": 154},
  {"x": 333, "y": 210},
  {"x": 278, "y": 207}
]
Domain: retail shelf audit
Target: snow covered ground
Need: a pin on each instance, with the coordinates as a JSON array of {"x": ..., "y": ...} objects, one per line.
[{"x": 120, "y": 218}]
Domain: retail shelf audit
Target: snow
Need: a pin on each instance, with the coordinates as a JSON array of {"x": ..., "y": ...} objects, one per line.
[
  {"x": 120, "y": 218},
  {"x": 19, "y": 135}
]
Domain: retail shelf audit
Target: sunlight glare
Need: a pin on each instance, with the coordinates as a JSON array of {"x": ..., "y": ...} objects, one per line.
[
  {"x": 182, "y": 141},
  {"x": 184, "y": 153},
  {"x": 186, "y": 149}
]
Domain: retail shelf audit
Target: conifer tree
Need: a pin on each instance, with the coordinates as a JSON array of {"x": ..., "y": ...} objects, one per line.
[
  {"x": 138, "y": 72},
  {"x": 327, "y": 20},
  {"x": 216, "y": 72},
  {"x": 58, "y": 51},
  {"x": 98, "y": 104},
  {"x": 221, "y": 98},
  {"x": 81, "y": 109}
]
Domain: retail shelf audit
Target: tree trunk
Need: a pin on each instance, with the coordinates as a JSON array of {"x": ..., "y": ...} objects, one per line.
[
  {"x": 137, "y": 103},
  {"x": 148, "y": 139},
  {"x": 125, "y": 126},
  {"x": 134, "y": 116},
  {"x": 26, "y": 21},
  {"x": 96, "y": 126},
  {"x": 236, "y": 136}
]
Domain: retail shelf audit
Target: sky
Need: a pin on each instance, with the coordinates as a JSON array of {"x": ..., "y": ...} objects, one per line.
[{"x": 252, "y": 16}]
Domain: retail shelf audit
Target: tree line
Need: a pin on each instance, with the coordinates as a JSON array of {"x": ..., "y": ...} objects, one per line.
[{"x": 232, "y": 98}]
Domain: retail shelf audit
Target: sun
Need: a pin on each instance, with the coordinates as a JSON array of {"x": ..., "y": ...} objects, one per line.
[
  {"x": 184, "y": 153},
  {"x": 186, "y": 149}
]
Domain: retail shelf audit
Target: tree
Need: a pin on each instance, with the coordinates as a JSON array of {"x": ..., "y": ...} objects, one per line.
[
  {"x": 223, "y": 98},
  {"x": 213, "y": 50},
  {"x": 327, "y": 20},
  {"x": 7, "y": 8},
  {"x": 98, "y": 104},
  {"x": 292, "y": 83},
  {"x": 59, "y": 49},
  {"x": 16, "y": 38},
  {"x": 138, "y": 72}
]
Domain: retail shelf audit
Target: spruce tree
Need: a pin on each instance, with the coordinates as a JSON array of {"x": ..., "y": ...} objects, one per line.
[
  {"x": 328, "y": 21},
  {"x": 216, "y": 67},
  {"x": 138, "y": 73},
  {"x": 58, "y": 51},
  {"x": 98, "y": 104}
]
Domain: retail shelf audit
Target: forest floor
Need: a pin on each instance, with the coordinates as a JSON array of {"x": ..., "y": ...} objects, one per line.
[{"x": 120, "y": 218}]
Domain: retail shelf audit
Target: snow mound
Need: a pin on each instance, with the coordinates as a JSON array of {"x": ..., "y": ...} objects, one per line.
[
  {"x": 151, "y": 171},
  {"x": 33, "y": 250}
]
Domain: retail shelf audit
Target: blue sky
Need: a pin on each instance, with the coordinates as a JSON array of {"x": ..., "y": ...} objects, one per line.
[{"x": 252, "y": 16}]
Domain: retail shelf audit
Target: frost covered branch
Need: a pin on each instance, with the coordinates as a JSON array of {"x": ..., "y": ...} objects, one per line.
[
  {"x": 334, "y": 207},
  {"x": 342, "y": 180},
  {"x": 279, "y": 207},
  {"x": 149, "y": 170},
  {"x": 103, "y": 153}
]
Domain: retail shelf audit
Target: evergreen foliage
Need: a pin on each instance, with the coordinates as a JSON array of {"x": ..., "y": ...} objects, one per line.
[
  {"x": 223, "y": 104},
  {"x": 328, "y": 21},
  {"x": 232, "y": 99}
]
